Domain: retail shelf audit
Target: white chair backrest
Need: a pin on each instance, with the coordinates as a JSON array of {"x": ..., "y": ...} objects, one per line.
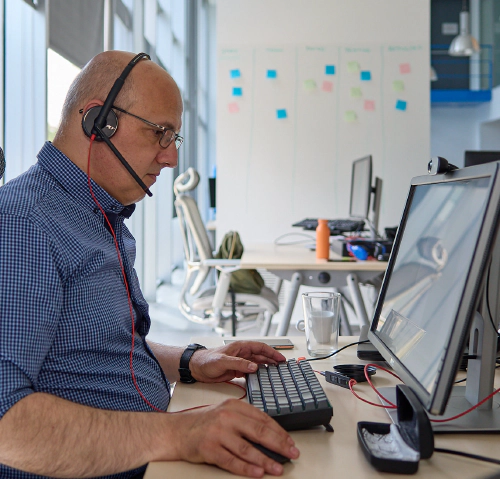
[{"x": 194, "y": 235}]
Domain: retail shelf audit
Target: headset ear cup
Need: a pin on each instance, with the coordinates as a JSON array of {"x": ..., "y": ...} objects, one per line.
[{"x": 89, "y": 118}]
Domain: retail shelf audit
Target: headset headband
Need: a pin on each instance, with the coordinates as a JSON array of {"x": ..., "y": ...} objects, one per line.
[{"x": 100, "y": 121}]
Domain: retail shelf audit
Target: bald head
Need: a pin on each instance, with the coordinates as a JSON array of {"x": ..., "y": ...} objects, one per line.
[
  {"x": 96, "y": 80},
  {"x": 148, "y": 105}
]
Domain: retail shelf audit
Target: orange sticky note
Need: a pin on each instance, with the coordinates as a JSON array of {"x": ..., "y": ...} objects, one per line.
[
  {"x": 327, "y": 86},
  {"x": 233, "y": 107},
  {"x": 404, "y": 68},
  {"x": 369, "y": 105}
]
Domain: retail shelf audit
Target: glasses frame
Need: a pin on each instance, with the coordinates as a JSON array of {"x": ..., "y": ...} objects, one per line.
[{"x": 176, "y": 138}]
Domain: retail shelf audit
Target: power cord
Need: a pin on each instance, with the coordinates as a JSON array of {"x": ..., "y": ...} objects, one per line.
[
  {"x": 467, "y": 454},
  {"x": 335, "y": 352},
  {"x": 310, "y": 238}
]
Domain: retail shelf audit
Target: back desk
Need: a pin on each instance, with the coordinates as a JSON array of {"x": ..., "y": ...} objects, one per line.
[{"x": 332, "y": 455}]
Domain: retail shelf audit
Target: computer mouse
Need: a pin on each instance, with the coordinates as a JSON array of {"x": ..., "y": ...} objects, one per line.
[{"x": 273, "y": 455}]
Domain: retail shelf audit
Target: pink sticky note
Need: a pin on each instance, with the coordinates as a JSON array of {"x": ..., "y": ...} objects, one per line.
[
  {"x": 369, "y": 105},
  {"x": 404, "y": 68},
  {"x": 233, "y": 107},
  {"x": 327, "y": 86}
]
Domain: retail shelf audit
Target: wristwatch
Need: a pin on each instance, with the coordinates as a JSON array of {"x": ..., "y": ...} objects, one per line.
[{"x": 184, "y": 370}]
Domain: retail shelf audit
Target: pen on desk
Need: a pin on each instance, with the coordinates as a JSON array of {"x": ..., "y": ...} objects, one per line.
[{"x": 336, "y": 260}]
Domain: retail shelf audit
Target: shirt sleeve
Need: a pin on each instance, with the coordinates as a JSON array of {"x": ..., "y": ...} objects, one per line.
[{"x": 30, "y": 303}]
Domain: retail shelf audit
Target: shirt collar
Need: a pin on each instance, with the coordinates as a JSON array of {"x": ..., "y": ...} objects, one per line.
[{"x": 74, "y": 181}]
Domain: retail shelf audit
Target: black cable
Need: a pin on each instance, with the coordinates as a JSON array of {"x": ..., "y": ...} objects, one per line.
[
  {"x": 465, "y": 379},
  {"x": 466, "y": 454},
  {"x": 338, "y": 351}
]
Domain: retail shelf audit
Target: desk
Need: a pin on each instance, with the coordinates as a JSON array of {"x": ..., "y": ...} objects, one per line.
[
  {"x": 336, "y": 455},
  {"x": 299, "y": 265}
]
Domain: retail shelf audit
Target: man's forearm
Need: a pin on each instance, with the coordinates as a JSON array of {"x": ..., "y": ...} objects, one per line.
[
  {"x": 47, "y": 435},
  {"x": 169, "y": 358}
]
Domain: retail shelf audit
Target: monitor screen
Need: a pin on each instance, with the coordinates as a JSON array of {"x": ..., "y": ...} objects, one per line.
[
  {"x": 473, "y": 158},
  {"x": 432, "y": 285},
  {"x": 361, "y": 187}
]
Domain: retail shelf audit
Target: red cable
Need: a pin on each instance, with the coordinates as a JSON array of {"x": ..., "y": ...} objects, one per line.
[
  {"x": 468, "y": 410},
  {"x": 367, "y": 376},
  {"x": 206, "y": 405},
  {"x": 352, "y": 382},
  {"x": 92, "y": 138}
]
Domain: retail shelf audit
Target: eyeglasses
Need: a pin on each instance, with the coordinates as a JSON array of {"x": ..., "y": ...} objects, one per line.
[{"x": 167, "y": 135}]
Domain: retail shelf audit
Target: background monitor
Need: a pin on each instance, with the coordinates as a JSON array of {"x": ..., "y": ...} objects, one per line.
[
  {"x": 361, "y": 188},
  {"x": 473, "y": 158},
  {"x": 212, "y": 185},
  {"x": 441, "y": 260},
  {"x": 361, "y": 191}
]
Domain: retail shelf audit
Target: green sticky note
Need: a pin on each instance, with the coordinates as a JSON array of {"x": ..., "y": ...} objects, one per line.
[
  {"x": 353, "y": 67},
  {"x": 356, "y": 92},
  {"x": 398, "y": 85},
  {"x": 350, "y": 116},
  {"x": 310, "y": 85}
]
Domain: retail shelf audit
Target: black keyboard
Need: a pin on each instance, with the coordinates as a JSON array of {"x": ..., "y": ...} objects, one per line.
[
  {"x": 335, "y": 226},
  {"x": 291, "y": 394}
]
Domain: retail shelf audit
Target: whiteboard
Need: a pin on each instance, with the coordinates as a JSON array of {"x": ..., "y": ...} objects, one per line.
[{"x": 304, "y": 88}]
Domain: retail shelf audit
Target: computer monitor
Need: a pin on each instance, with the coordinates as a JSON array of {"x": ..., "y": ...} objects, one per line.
[
  {"x": 361, "y": 191},
  {"x": 441, "y": 286},
  {"x": 473, "y": 158},
  {"x": 361, "y": 188}
]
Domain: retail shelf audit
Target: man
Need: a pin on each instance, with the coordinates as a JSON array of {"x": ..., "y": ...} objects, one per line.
[{"x": 79, "y": 385}]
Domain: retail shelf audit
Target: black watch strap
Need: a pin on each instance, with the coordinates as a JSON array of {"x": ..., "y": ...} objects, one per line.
[{"x": 184, "y": 370}]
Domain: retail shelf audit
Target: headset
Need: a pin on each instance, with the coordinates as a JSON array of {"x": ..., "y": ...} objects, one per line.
[{"x": 101, "y": 122}]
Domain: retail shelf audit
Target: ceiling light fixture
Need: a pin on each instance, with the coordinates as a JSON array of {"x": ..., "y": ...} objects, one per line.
[{"x": 464, "y": 44}]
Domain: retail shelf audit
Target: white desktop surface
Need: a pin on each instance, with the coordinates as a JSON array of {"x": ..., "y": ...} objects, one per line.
[
  {"x": 299, "y": 257},
  {"x": 338, "y": 454}
]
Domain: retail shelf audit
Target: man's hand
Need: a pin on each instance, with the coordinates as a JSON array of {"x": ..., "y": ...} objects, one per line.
[
  {"x": 217, "y": 435},
  {"x": 231, "y": 361}
]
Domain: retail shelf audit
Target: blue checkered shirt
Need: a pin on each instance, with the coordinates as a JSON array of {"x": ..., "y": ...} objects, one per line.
[{"x": 65, "y": 326}]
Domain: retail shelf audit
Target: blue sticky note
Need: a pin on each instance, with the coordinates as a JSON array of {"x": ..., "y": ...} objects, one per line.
[
  {"x": 235, "y": 73},
  {"x": 271, "y": 74},
  {"x": 280, "y": 114},
  {"x": 366, "y": 76},
  {"x": 330, "y": 70},
  {"x": 237, "y": 91},
  {"x": 401, "y": 105}
]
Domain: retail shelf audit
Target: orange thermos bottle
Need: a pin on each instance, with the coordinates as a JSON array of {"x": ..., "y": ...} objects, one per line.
[{"x": 322, "y": 240}]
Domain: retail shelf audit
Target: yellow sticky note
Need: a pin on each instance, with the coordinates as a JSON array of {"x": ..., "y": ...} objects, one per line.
[
  {"x": 350, "y": 116},
  {"x": 398, "y": 85},
  {"x": 310, "y": 85},
  {"x": 353, "y": 67},
  {"x": 356, "y": 92}
]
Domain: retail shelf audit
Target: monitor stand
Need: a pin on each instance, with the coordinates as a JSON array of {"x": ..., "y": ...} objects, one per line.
[{"x": 480, "y": 378}]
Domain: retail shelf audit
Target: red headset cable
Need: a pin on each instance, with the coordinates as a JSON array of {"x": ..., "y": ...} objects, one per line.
[{"x": 92, "y": 138}]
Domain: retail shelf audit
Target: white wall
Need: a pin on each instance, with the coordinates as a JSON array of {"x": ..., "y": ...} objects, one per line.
[{"x": 274, "y": 172}]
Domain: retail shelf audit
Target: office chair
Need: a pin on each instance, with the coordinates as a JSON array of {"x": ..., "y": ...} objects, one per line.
[{"x": 214, "y": 306}]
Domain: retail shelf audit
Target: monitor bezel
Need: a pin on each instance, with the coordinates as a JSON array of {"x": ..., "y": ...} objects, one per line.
[
  {"x": 367, "y": 158},
  {"x": 436, "y": 402}
]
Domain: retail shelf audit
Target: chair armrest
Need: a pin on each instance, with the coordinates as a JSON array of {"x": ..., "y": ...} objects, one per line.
[
  {"x": 220, "y": 262},
  {"x": 223, "y": 265}
]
